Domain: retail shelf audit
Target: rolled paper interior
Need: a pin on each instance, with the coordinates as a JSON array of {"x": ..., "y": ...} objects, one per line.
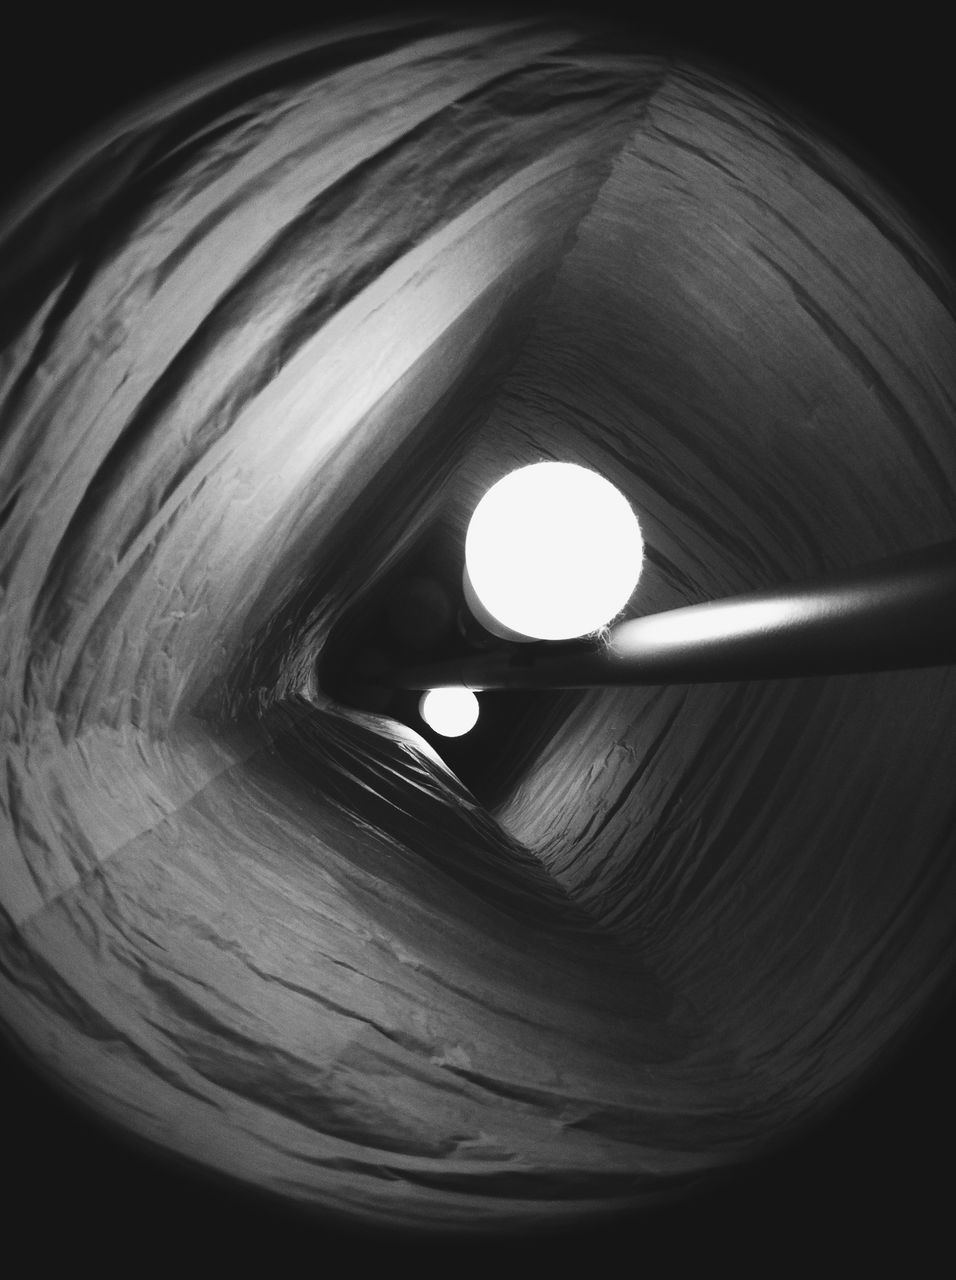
[{"x": 265, "y": 336}]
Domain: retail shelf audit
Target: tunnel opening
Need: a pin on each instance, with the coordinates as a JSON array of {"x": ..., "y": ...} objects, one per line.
[{"x": 419, "y": 612}]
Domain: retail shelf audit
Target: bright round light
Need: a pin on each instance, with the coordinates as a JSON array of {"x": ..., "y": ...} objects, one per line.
[
  {"x": 450, "y": 712},
  {"x": 553, "y": 551}
]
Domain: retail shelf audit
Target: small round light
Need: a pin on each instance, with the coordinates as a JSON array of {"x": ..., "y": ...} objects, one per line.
[
  {"x": 450, "y": 712},
  {"x": 553, "y": 551}
]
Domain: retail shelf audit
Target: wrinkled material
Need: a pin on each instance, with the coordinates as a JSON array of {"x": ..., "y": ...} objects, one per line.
[{"x": 258, "y": 337}]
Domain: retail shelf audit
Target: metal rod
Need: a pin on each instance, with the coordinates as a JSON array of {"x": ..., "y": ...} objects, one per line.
[{"x": 893, "y": 614}]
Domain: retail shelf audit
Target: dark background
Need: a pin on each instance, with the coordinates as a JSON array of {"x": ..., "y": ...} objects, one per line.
[{"x": 874, "y": 1176}]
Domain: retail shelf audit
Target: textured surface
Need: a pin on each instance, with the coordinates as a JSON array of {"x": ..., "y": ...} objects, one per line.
[{"x": 260, "y": 338}]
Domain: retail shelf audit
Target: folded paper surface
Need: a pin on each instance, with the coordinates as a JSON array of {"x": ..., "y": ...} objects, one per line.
[{"x": 274, "y": 330}]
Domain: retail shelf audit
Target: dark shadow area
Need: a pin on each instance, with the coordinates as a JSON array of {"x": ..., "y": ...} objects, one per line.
[{"x": 418, "y": 613}]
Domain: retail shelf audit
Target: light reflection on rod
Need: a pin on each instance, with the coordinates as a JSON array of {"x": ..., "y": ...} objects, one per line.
[{"x": 893, "y": 614}]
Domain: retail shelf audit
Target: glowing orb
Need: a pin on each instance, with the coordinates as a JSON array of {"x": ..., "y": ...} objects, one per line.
[
  {"x": 553, "y": 551},
  {"x": 450, "y": 712}
]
